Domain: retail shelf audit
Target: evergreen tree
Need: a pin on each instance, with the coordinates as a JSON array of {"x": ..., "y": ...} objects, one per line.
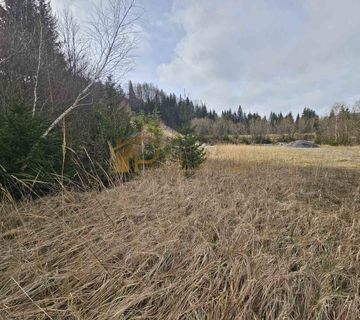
[
  {"x": 308, "y": 114},
  {"x": 134, "y": 103},
  {"x": 290, "y": 117},
  {"x": 27, "y": 163},
  {"x": 188, "y": 152},
  {"x": 273, "y": 119},
  {"x": 240, "y": 115}
]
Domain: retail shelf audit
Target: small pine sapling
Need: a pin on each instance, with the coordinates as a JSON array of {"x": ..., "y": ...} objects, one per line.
[{"x": 189, "y": 152}]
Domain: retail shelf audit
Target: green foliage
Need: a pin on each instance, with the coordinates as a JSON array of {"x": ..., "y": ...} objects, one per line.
[
  {"x": 27, "y": 160},
  {"x": 318, "y": 139},
  {"x": 150, "y": 123},
  {"x": 308, "y": 114},
  {"x": 244, "y": 140},
  {"x": 259, "y": 139},
  {"x": 115, "y": 123},
  {"x": 226, "y": 139},
  {"x": 285, "y": 138},
  {"x": 188, "y": 152},
  {"x": 332, "y": 142},
  {"x": 153, "y": 124},
  {"x": 185, "y": 129}
]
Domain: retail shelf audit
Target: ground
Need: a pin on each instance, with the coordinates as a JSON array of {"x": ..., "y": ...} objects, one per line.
[{"x": 257, "y": 233}]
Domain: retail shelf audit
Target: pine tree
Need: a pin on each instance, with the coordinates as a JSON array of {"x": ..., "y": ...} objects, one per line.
[
  {"x": 240, "y": 115},
  {"x": 188, "y": 152},
  {"x": 290, "y": 117},
  {"x": 23, "y": 157},
  {"x": 308, "y": 114},
  {"x": 133, "y": 100}
]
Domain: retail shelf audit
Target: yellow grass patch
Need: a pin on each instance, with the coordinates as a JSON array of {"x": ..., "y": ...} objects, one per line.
[{"x": 326, "y": 156}]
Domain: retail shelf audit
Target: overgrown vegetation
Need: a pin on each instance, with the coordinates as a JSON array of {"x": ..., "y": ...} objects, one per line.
[
  {"x": 70, "y": 104},
  {"x": 248, "y": 237}
]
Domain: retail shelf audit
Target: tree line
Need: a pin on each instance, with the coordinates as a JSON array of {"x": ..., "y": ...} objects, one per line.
[
  {"x": 340, "y": 127},
  {"x": 175, "y": 112}
]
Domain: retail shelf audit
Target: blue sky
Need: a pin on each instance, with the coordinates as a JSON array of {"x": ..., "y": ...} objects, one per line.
[{"x": 266, "y": 55}]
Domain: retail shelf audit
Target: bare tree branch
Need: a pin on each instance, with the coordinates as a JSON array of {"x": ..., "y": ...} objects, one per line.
[
  {"x": 74, "y": 46},
  {"x": 112, "y": 38}
]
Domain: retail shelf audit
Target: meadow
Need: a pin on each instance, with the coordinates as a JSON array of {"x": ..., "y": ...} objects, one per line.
[
  {"x": 326, "y": 156},
  {"x": 259, "y": 232}
]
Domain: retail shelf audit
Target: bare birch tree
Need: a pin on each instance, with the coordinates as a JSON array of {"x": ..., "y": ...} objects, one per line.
[
  {"x": 112, "y": 39},
  {"x": 37, "y": 70}
]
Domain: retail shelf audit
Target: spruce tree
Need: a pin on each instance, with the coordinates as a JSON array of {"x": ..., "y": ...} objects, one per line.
[
  {"x": 189, "y": 153},
  {"x": 26, "y": 163}
]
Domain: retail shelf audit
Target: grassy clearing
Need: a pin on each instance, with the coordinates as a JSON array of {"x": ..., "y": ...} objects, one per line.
[
  {"x": 326, "y": 156},
  {"x": 274, "y": 240}
]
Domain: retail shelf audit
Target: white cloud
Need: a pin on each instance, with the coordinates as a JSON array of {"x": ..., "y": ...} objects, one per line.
[
  {"x": 266, "y": 54},
  {"x": 83, "y": 10},
  {"x": 79, "y": 8}
]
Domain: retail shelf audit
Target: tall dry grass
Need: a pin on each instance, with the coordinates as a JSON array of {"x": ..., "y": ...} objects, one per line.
[{"x": 266, "y": 241}]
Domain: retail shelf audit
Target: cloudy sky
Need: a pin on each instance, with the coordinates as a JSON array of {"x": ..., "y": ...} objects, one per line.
[{"x": 266, "y": 55}]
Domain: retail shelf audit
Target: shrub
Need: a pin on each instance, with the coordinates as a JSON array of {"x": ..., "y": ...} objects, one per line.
[
  {"x": 332, "y": 142},
  {"x": 244, "y": 140},
  {"x": 259, "y": 139},
  {"x": 27, "y": 161},
  {"x": 318, "y": 139},
  {"x": 285, "y": 138},
  {"x": 188, "y": 151},
  {"x": 226, "y": 139}
]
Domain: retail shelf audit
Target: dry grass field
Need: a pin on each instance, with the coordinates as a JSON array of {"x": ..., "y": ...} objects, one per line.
[
  {"x": 326, "y": 156},
  {"x": 257, "y": 233}
]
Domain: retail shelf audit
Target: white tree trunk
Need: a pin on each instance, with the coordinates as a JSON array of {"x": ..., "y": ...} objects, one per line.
[
  {"x": 37, "y": 72},
  {"x": 82, "y": 95}
]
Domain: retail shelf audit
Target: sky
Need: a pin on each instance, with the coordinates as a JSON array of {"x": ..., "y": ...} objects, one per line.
[{"x": 265, "y": 55}]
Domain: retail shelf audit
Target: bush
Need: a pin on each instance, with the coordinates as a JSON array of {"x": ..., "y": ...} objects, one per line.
[
  {"x": 285, "y": 138},
  {"x": 333, "y": 142},
  {"x": 318, "y": 139},
  {"x": 244, "y": 140},
  {"x": 204, "y": 139},
  {"x": 27, "y": 161},
  {"x": 259, "y": 139},
  {"x": 226, "y": 139},
  {"x": 188, "y": 152}
]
